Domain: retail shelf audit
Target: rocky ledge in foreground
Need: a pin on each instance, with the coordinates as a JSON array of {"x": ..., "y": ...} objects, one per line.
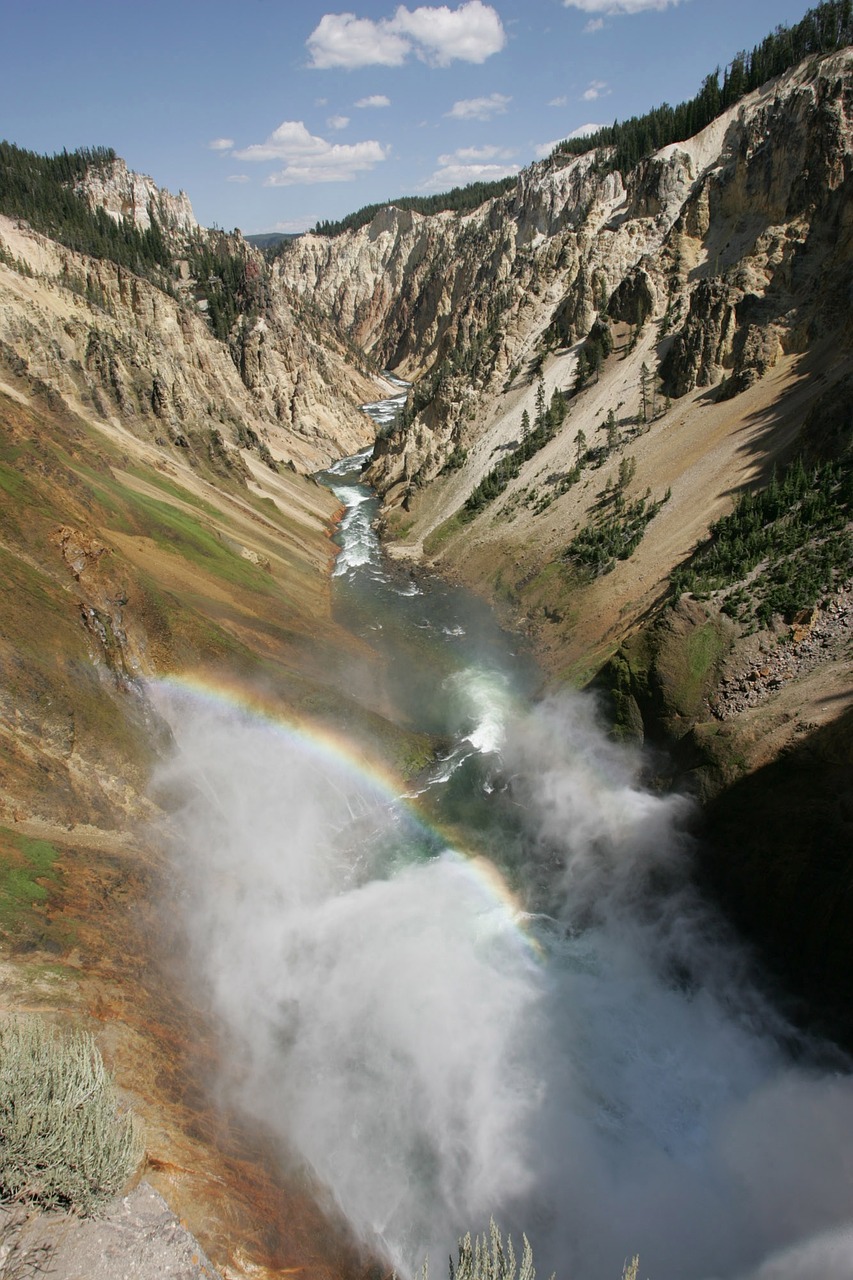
[{"x": 140, "y": 1239}]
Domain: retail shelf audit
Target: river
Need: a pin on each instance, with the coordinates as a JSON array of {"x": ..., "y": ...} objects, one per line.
[{"x": 498, "y": 992}]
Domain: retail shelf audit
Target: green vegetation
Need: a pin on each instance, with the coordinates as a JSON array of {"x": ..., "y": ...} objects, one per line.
[
  {"x": 616, "y": 533},
  {"x": 797, "y": 529},
  {"x": 827, "y": 27},
  {"x": 182, "y": 533},
  {"x": 232, "y": 282},
  {"x": 487, "y": 1258},
  {"x": 40, "y": 189},
  {"x": 444, "y": 532},
  {"x": 27, "y": 876},
  {"x": 455, "y": 460},
  {"x": 62, "y": 1144},
  {"x": 458, "y": 200}
]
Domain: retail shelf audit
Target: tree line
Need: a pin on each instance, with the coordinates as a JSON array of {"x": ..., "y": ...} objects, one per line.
[
  {"x": 823, "y": 29},
  {"x": 457, "y": 200},
  {"x": 41, "y": 191},
  {"x": 827, "y": 27}
]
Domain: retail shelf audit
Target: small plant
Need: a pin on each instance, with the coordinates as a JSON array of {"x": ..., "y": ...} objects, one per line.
[
  {"x": 488, "y": 1259},
  {"x": 62, "y": 1142}
]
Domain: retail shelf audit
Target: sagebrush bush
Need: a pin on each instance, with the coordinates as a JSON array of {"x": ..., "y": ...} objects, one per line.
[
  {"x": 62, "y": 1142},
  {"x": 483, "y": 1258}
]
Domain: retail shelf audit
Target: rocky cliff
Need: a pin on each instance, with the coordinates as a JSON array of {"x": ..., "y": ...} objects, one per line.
[
  {"x": 136, "y": 198},
  {"x": 717, "y": 274},
  {"x": 735, "y": 243},
  {"x": 138, "y": 350}
]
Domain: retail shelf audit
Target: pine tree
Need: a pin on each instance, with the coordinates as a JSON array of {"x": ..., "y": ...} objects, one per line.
[
  {"x": 540, "y": 403},
  {"x": 644, "y": 391},
  {"x": 580, "y": 444},
  {"x": 581, "y": 371}
]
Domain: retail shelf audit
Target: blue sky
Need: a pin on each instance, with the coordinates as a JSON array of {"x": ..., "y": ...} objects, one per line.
[{"x": 273, "y": 114}]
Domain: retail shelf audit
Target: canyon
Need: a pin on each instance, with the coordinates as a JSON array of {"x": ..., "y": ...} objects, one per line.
[{"x": 687, "y": 326}]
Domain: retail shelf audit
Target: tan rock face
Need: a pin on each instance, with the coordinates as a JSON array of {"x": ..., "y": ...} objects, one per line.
[
  {"x": 740, "y": 237},
  {"x": 117, "y": 348},
  {"x": 124, "y": 194}
]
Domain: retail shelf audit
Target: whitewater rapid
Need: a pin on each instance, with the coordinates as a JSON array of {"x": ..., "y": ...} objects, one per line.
[{"x": 497, "y": 992}]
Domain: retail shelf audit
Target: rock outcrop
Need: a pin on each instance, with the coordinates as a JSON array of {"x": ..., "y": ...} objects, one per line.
[
  {"x": 121, "y": 193},
  {"x": 140, "y": 1237}
]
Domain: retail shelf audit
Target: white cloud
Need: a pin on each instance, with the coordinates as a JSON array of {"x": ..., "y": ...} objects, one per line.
[
  {"x": 337, "y": 122},
  {"x": 221, "y": 144},
  {"x": 617, "y": 6},
  {"x": 479, "y": 108},
  {"x": 462, "y": 167},
  {"x": 594, "y": 24},
  {"x": 583, "y": 131},
  {"x": 544, "y": 149},
  {"x": 596, "y": 89},
  {"x": 559, "y": 102},
  {"x": 238, "y": 177},
  {"x": 307, "y": 158},
  {"x": 436, "y": 35},
  {"x": 343, "y": 40},
  {"x": 471, "y": 33},
  {"x": 375, "y": 100}
]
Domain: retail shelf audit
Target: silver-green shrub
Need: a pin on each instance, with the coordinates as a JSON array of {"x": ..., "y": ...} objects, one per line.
[
  {"x": 62, "y": 1142},
  {"x": 483, "y": 1258}
]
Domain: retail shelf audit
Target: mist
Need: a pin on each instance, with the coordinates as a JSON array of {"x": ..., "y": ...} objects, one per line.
[{"x": 584, "y": 1056}]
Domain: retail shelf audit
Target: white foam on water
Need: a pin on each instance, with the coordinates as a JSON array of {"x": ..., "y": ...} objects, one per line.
[{"x": 629, "y": 1094}]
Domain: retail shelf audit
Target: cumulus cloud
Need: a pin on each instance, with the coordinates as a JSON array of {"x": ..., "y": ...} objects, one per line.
[
  {"x": 374, "y": 100},
  {"x": 594, "y": 24},
  {"x": 307, "y": 158},
  {"x": 436, "y": 35},
  {"x": 596, "y": 89},
  {"x": 471, "y": 33},
  {"x": 544, "y": 149},
  {"x": 617, "y": 6},
  {"x": 220, "y": 144},
  {"x": 471, "y": 164},
  {"x": 343, "y": 40},
  {"x": 238, "y": 177},
  {"x": 479, "y": 108},
  {"x": 337, "y": 122},
  {"x": 559, "y": 102}
]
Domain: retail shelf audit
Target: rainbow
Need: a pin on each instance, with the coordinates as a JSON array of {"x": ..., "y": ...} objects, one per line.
[{"x": 335, "y": 755}]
